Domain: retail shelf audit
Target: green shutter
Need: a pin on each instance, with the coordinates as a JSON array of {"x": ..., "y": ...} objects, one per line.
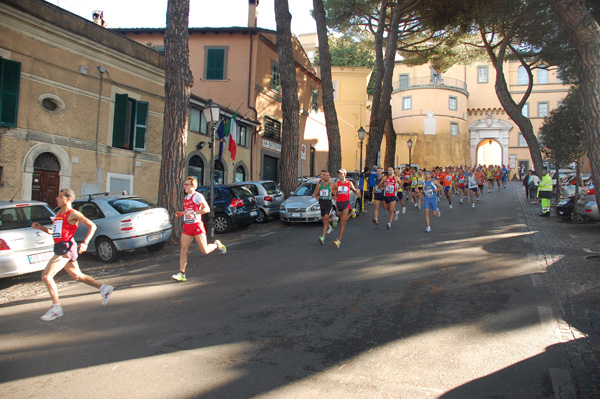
[
  {"x": 10, "y": 76},
  {"x": 215, "y": 62},
  {"x": 120, "y": 121},
  {"x": 141, "y": 126}
]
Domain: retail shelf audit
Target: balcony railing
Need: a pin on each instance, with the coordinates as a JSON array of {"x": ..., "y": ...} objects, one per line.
[{"x": 404, "y": 84}]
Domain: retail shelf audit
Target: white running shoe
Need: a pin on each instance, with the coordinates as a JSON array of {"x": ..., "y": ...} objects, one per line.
[
  {"x": 105, "y": 291},
  {"x": 419, "y": 206},
  {"x": 396, "y": 213},
  {"x": 461, "y": 201},
  {"x": 403, "y": 210},
  {"x": 450, "y": 206},
  {"x": 221, "y": 247},
  {"x": 428, "y": 229},
  {"x": 472, "y": 205},
  {"x": 388, "y": 226},
  {"x": 329, "y": 229},
  {"x": 53, "y": 313},
  {"x": 439, "y": 213}
]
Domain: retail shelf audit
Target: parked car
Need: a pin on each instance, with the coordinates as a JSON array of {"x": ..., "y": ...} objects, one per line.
[
  {"x": 124, "y": 222},
  {"x": 301, "y": 206},
  {"x": 24, "y": 249},
  {"x": 567, "y": 186},
  {"x": 268, "y": 196},
  {"x": 587, "y": 206},
  {"x": 564, "y": 207},
  {"x": 235, "y": 206}
]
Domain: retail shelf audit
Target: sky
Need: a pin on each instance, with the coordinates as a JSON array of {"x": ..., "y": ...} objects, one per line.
[{"x": 203, "y": 13}]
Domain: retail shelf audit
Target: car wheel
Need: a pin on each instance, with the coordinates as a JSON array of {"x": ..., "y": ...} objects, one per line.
[
  {"x": 106, "y": 250},
  {"x": 262, "y": 216},
  {"x": 156, "y": 247},
  {"x": 222, "y": 224}
]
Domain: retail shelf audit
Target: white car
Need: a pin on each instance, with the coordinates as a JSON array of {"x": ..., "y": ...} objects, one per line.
[{"x": 24, "y": 249}]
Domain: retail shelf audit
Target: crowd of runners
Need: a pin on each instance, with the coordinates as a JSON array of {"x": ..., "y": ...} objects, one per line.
[{"x": 390, "y": 192}]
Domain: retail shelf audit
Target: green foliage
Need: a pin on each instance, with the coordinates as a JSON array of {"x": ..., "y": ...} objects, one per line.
[
  {"x": 561, "y": 137},
  {"x": 346, "y": 51}
]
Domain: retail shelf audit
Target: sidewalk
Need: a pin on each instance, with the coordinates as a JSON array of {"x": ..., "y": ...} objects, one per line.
[{"x": 570, "y": 254}]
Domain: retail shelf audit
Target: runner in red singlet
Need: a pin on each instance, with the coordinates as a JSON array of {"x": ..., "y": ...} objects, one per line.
[
  {"x": 342, "y": 202},
  {"x": 388, "y": 186},
  {"x": 65, "y": 251}
]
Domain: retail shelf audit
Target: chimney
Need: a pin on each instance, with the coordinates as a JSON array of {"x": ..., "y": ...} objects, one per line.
[
  {"x": 98, "y": 17},
  {"x": 252, "y": 13}
]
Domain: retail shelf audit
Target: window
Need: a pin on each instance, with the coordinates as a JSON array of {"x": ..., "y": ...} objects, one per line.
[
  {"x": 310, "y": 55},
  {"x": 242, "y": 136},
  {"x": 10, "y": 77},
  {"x": 275, "y": 77},
  {"x": 215, "y": 63},
  {"x": 525, "y": 110},
  {"x": 335, "y": 90},
  {"x": 314, "y": 101},
  {"x": 119, "y": 183},
  {"x": 453, "y": 103},
  {"x": 559, "y": 74},
  {"x": 522, "y": 141},
  {"x": 403, "y": 78},
  {"x": 454, "y": 128},
  {"x": 197, "y": 121},
  {"x": 240, "y": 174},
  {"x": 272, "y": 129},
  {"x": 522, "y": 78},
  {"x": 543, "y": 109},
  {"x": 219, "y": 177},
  {"x": 542, "y": 75},
  {"x": 482, "y": 74},
  {"x": 196, "y": 169},
  {"x": 406, "y": 103},
  {"x": 130, "y": 123}
]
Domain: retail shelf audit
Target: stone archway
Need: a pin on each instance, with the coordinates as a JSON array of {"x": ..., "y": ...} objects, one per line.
[
  {"x": 489, "y": 152},
  {"x": 486, "y": 129},
  {"x": 29, "y": 167}
]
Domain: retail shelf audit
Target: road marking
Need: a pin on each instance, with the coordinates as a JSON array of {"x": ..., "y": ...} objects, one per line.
[
  {"x": 536, "y": 280},
  {"x": 589, "y": 251},
  {"x": 562, "y": 385},
  {"x": 545, "y": 313},
  {"x": 143, "y": 269},
  {"x": 267, "y": 234}
]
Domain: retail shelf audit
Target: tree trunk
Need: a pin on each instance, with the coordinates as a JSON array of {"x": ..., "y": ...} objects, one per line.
[
  {"x": 178, "y": 85},
  {"x": 373, "y": 145},
  {"x": 390, "y": 142},
  {"x": 289, "y": 98},
  {"x": 331, "y": 119},
  {"x": 584, "y": 34}
]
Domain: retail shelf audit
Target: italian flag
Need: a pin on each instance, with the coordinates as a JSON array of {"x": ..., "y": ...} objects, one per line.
[{"x": 231, "y": 133}]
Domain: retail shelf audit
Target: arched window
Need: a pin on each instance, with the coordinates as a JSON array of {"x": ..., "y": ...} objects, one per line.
[
  {"x": 522, "y": 77},
  {"x": 196, "y": 169},
  {"x": 240, "y": 174},
  {"x": 219, "y": 172},
  {"x": 542, "y": 75}
]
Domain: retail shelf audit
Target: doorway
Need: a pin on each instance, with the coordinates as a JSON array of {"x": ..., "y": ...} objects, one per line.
[
  {"x": 46, "y": 179},
  {"x": 489, "y": 152}
]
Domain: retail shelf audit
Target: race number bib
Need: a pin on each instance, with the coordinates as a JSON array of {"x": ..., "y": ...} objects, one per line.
[
  {"x": 189, "y": 217},
  {"x": 429, "y": 192},
  {"x": 390, "y": 189},
  {"x": 414, "y": 183},
  {"x": 343, "y": 190},
  {"x": 57, "y": 228},
  {"x": 324, "y": 193}
]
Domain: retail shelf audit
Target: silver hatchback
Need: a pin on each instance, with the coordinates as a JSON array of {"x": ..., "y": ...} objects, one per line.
[
  {"x": 268, "y": 197},
  {"x": 24, "y": 249}
]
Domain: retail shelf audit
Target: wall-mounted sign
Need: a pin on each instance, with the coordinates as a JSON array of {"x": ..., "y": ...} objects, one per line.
[{"x": 271, "y": 146}]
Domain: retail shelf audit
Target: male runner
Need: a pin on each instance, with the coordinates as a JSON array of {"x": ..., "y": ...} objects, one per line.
[
  {"x": 342, "y": 202},
  {"x": 504, "y": 172},
  {"x": 498, "y": 176},
  {"x": 399, "y": 193},
  {"x": 324, "y": 194},
  {"x": 407, "y": 177},
  {"x": 461, "y": 183},
  {"x": 489, "y": 174},
  {"x": 447, "y": 179},
  {"x": 378, "y": 194},
  {"x": 480, "y": 177},
  {"x": 473, "y": 187},
  {"x": 389, "y": 185},
  {"x": 430, "y": 190},
  {"x": 194, "y": 206},
  {"x": 65, "y": 255}
]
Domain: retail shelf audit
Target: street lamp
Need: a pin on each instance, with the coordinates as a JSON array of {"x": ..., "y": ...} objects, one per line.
[
  {"x": 211, "y": 114},
  {"x": 409, "y": 143},
  {"x": 361, "y": 136}
]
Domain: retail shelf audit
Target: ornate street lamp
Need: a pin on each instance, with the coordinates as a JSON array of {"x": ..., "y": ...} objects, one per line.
[
  {"x": 409, "y": 143},
  {"x": 361, "y": 136},
  {"x": 211, "y": 113}
]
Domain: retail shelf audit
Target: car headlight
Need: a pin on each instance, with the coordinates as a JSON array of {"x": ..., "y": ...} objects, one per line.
[
  {"x": 315, "y": 207},
  {"x": 281, "y": 207}
]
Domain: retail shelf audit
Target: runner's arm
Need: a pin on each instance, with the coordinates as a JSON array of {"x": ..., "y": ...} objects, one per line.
[{"x": 78, "y": 216}]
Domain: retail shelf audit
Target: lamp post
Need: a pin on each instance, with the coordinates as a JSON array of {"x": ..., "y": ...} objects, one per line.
[
  {"x": 211, "y": 114},
  {"x": 409, "y": 143},
  {"x": 361, "y": 136}
]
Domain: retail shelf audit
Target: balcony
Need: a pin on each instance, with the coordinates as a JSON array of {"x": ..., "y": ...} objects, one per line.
[{"x": 430, "y": 82}]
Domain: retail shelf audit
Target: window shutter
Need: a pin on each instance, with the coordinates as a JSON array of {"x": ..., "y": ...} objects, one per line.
[
  {"x": 10, "y": 76},
  {"x": 120, "y": 121},
  {"x": 215, "y": 64},
  {"x": 141, "y": 126}
]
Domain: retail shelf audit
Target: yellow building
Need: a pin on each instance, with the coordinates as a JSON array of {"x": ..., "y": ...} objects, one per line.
[{"x": 82, "y": 107}]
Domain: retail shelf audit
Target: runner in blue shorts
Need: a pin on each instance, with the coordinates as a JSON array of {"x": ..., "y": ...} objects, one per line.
[{"x": 430, "y": 189}]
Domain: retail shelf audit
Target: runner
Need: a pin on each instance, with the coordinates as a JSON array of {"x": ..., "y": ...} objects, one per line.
[
  {"x": 407, "y": 178},
  {"x": 504, "y": 172},
  {"x": 461, "y": 183},
  {"x": 324, "y": 194},
  {"x": 399, "y": 177},
  {"x": 489, "y": 174},
  {"x": 473, "y": 187},
  {"x": 447, "y": 179},
  {"x": 414, "y": 181},
  {"x": 420, "y": 181},
  {"x": 389, "y": 185},
  {"x": 377, "y": 194},
  {"x": 480, "y": 177},
  {"x": 342, "y": 202},
  {"x": 430, "y": 190},
  {"x": 498, "y": 176},
  {"x": 65, "y": 255},
  {"x": 194, "y": 206}
]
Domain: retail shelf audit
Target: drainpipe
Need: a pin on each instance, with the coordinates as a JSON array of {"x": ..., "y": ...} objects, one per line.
[{"x": 250, "y": 106}]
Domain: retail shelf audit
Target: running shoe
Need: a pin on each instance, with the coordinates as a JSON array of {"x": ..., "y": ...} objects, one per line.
[
  {"x": 477, "y": 198},
  {"x": 221, "y": 247},
  {"x": 403, "y": 210},
  {"x": 335, "y": 221},
  {"x": 53, "y": 313},
  {"x": 472, "y": 205},
  {"x": 375, "y": 222},
  {"x": 396, "y": 215},
  {"x": 419, "y": 207},
  {"x": 105, "y": 291},
  {"x": 322, "y": 240},
  {"x": 388, "y": 226},
  {"x": 428, "y": 229},
  {"x": 439, "y": 213},
  {"x": 353, "y": 213},
  {"x": 329, "y": 229},
  {"x": 337, "y": 243},
  {"x": 450, "y": 206},
  {"x": 179, "y": 277},
  {"x": 461, "y": 201}
]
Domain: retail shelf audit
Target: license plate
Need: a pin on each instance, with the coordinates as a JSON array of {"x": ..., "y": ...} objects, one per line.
[
  {"x": 296, "y": 215},
  {"x": 253, "y": 213},
  {"x": 154, "y": 237},
  {"x": 37, "y": 258}
]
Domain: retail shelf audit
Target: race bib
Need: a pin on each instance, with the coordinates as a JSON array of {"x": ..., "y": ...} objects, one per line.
[
  {"x": 414, "y": 183},
  {"x": 342, "y": 189},
  {"x": 449, "y": 178},
  {"x": 390, "y": 189},
  {"x": 189, "y": 217},
  {"x": 57, "y": 228},
  {"x": 429, "y": 193},
  {"x": 324, "y": 193}
]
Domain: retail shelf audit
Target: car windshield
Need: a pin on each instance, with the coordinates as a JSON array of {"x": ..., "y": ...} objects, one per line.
[
  {"x": 129, "y": 205},
  {"x": 271, "y": 187},
  {"x": 23, "y": 216},
  {"x": 307, "y": 189},
  {"x": 241, "y": 192}
]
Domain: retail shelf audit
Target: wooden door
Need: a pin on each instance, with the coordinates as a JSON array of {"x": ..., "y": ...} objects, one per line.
[{"x": 45, "y": 186}]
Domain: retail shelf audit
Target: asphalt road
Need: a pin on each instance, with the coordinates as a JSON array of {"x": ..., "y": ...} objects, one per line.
[{"x": 461, "y": 312}]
